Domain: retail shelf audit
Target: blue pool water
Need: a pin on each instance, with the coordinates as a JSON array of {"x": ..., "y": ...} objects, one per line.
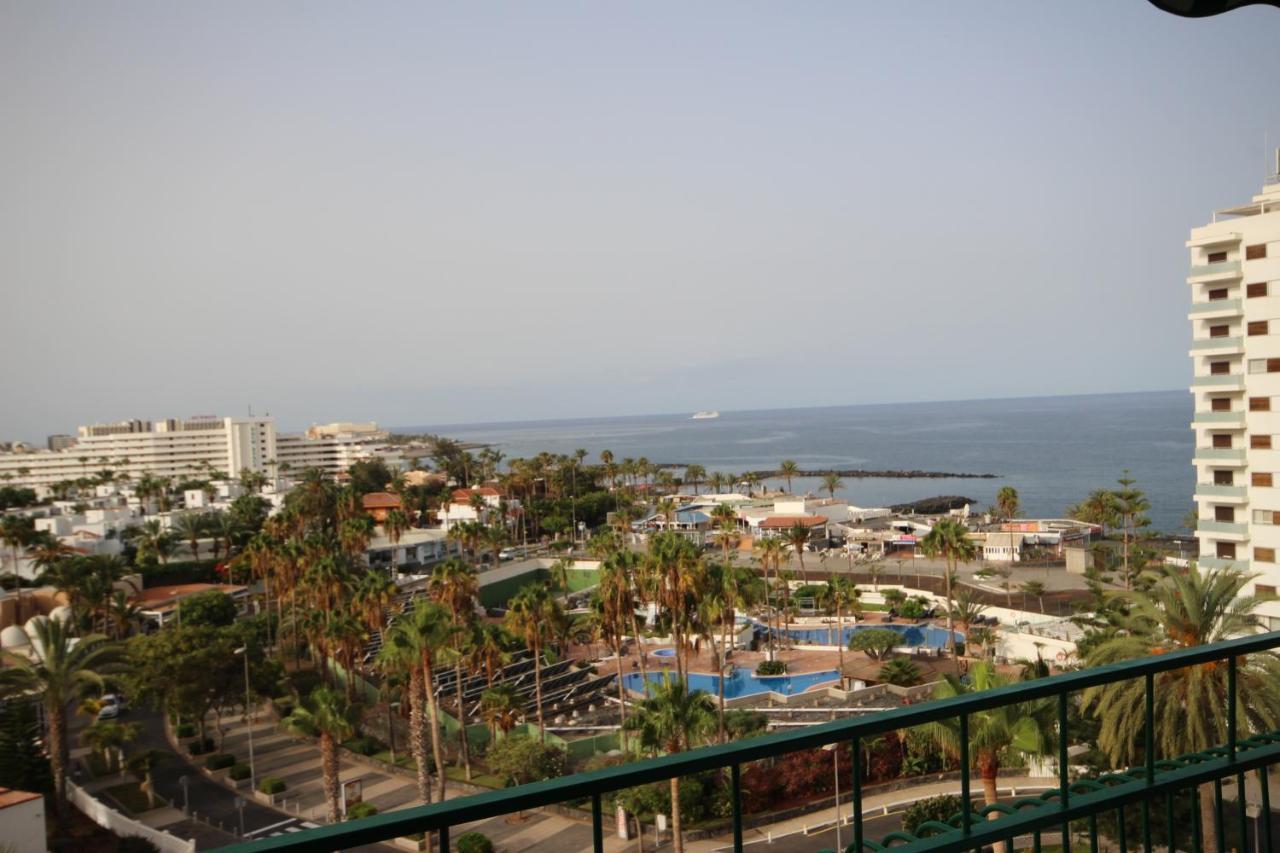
[
  {"x": 912, "y": 635},
  {"x": 664, "y": 653},
  {"x": 742, "y": 682}
]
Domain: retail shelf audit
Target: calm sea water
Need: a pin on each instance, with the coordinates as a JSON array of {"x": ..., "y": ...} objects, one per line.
[{"x": 1053, "y": 450}]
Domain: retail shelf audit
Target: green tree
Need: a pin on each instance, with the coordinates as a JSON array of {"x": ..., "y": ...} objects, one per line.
[
  {"x": 23, "y": 763},
  {"x": 788, "y": 469},
  {"x": 63, "y": 671},
  {"x": 674, "y": 719},
  {"x": 1021, "y": 729},
  {"x": 190, "y": 526},
  {"x": 412, "y": 644},
  {"x": 108, "y": 738},
  {"x": 1007, "y": 504},
  {"x": 1131, "y": 507},
  {"x": 949, "y": 539},
  {"x": 521, "y": 759},
  {"x": 212, "y": 608},
  {"x": 325, "y": 713},
  {"x": 143, "y": 765},
  {"x": 502, "y": 708},
  {"x": 901, "y": 671},
  {"x": 877, "y": 643},
  {"x": 797, "y": 536},
  {"x": 1036, "y": 590},
  {"x": 535, "y": 616},
  {"x": 832, "y": 483},
  {"x": 1184, "y": 609}
]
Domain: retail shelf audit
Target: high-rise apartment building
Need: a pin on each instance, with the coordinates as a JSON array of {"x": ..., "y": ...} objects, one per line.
[{"x": 1235, "y": 350}]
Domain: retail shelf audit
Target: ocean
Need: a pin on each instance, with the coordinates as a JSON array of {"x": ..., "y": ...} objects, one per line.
[{"x": 1053, "y": 450}]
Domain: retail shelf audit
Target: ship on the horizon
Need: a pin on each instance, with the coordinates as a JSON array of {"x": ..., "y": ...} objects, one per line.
[{"x": 703, "y": 416}]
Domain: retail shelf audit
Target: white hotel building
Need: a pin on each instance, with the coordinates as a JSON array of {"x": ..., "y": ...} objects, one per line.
[
  {"x": 184, "y": 448},
  {"x": 1235, "y": 350}
]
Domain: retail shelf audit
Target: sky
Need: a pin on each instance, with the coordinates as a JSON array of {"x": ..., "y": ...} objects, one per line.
[{"x": 434, "y": 213}]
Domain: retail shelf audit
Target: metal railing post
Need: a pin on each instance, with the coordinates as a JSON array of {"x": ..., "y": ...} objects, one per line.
[
  {"x": 1264, "y": 777},
  {"x": 1219, "y": 825},
  {"x": 735, "y": 777},
  {"x": 1064, "y": 770},
  {"x": 857, "y": 794},
  {"x": 965, "y": 819},
  {"x": 597, "y": 825}
]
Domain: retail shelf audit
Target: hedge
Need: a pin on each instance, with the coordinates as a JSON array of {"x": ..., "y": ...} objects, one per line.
[
  {"x": 239, "y": 772},
  {"x": 219, "y": 761},
  {"x": 361, "y": 809},
  {"x": 474, "y": 842},
  {"x": 272, "y": 785}
]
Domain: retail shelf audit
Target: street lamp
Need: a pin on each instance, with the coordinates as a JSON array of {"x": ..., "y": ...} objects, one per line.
[
  {"x": 253, "y": 781},
  {"x": 240, "y": 808},
  {"x": 185, "y": 781},
  {"x": 835, "y": 769}
]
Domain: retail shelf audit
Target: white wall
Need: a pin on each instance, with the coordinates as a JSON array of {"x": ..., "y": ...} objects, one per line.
[
  {"x": 108, "y": 818},
  {"x": 22, "y": 827}
]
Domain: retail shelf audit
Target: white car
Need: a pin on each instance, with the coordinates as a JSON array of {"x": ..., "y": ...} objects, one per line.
[
  {"x": 508, "y": 554},
  {"x": 110, "y": 706}
]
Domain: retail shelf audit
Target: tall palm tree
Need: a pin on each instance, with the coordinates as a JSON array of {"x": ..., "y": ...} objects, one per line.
[
  {"x": 840, "y": 595},
  {"x": 108, "y": 738},
  {"x": 16, "y": 533},
  {"x": 453, "y": 584},
  {"x": 1183, "y": 609},
  {"x": 950, "y": 540},
  {"x": 64, "y": 670},
  {"x": 190, "y": 526},
  {"x": 502, "y": 708},
  {"x": 1035, "y": 589},
  {"x": 1007, "y": 505},
  {"x": 832, "y": 482},
  {"x": 327, "y": 714},
  {"x": 535, "y": 616},
  {"x": 395, "y": 525},
  {"x": 674, "y": 719},
  {"x": 1024, "y": 729},
  {"x": 788, "y": 469},
  {"x": 797, "y": 536},
  {"x": 418, "y": 636},
  {"x": 694, "y": 475},
  {"x": 770, "y": 553}
]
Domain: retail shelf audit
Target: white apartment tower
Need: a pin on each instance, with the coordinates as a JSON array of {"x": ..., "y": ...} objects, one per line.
[{"x": 1235, "y": 350}]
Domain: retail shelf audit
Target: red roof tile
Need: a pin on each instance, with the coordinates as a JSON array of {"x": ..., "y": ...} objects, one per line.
[
  {"x": 380, "y": 500},
  {"x": 781, "y": 522}
]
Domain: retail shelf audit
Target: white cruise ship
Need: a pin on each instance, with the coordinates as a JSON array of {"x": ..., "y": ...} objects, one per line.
[{"x": 704, "y": 416}]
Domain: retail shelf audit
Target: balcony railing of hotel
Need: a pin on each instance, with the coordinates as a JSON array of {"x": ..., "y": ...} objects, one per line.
[
  {"x": 1232, "y": 305},
  {"x": 1218, "y": 379},
  {"x": 1222, "y": 454},
  {"x": 1222, "y": 563},
  {"x": 1212, "y": 490},
  {"x": 1220, "y": 417},
  {"x": 1231, "y": 342},
  {"x": 1131, "y": 792},
  {"x": 1221, "y": 268},
  {"x": 1230, "y": 527}
]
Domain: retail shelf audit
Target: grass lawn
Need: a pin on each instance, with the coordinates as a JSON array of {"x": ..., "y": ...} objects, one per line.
[
  {"x": 402, "y": 759},
  {"x": 131, "y": 798},
  {"x": 874, "y": 608},
  {"x": 485, "y": 780}
]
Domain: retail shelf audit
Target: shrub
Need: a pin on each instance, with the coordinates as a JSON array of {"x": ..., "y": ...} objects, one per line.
[
  {"x": 239, "y": 772},
  {"x": 522, "y": 759},
  {"x": 878, "y": 643},
  {"x": 185, "y": 730},
  {"x": 200, "y": 746},
  {"x": 219, "y": 761},
  {"x": 741, "y": 723},
  {"x": 912, "y": 608},
  {"x": 474, "y": 842},
  {"x": 934, "y": 808},
  {"x": 272, "y": 785},
  {"x": 901, "y": 671},
  {"x": 366, "y": 745},
  {"x": 361, "y": 809},
  {"x": 771, "y": 667}
]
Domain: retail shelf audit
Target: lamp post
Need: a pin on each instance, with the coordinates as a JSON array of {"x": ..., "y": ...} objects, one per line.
[
  {"x": 240, "y": 808},
  {"x": 185, "y": 781},
  {"x": 833, "y": 748},
  {"x": 253, "y": 781},
  {"x": 391, "y": 729}
]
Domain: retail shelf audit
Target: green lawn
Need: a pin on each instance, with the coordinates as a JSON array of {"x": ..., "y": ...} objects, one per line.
[
  {"x": 131, "y": 797},
  {"x": 485, "y": 780},
  {"x": 402, "y": 758}
]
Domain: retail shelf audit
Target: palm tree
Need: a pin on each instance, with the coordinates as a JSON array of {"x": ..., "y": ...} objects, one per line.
[
  {"x": 535, "y": 616},
  {"x": 839, "y": 595},
  {"x": 694, "y": 475},
  {"x": 502, "y": 708},
  {"x": 674, "y": 719},
  {"x": 797, "y": 536},
  {"x": 108, "y": 738},
  {"x": 1184, "y": 609},
  {"x": 411, "y": 644},
  {"x": 770, "y": 552},
  {"x": 1035, "y": 589},
  {"x": 901, "y": 671},
  {"x": 1023, "y": 729},
  {"x": 395, "y": 525},
  {"x": 832, "y": 482},
  {"x": 453, "y": 584},
  {"x": 1007, "y": 505},
  {"x": 950, "y": 540},
  {"x": 64, "y": 670},
  {"x": 787, "y": 470},
  {"x": 16, "y": 532},
  {"x": 190, "y": 526},
  {"x": 143, "y": 765},
  {"x": 328, "y": 714}
]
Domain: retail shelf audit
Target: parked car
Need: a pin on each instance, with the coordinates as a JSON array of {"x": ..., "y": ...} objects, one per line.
[
  {"x": 508, "y": 554},
  {"x": 110, "y": 706}
]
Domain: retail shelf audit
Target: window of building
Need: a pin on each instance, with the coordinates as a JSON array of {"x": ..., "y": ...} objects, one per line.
[
  {"x": 1219, "y": 331},
  {"x": 1260, "y": 442},
  {"x": 1260, "y": 478},
  {"x": 1256, "y": 252},
  {"x": 1224, "y": 513},
  {"x": 1264, "y": 365},
  {"x": 1256, "y": 289},
  {"x": 1224, "y": 478},
  {"x": 1220, "y": 368},
  {"x": 1264, "y": 555},
  {"x": 1220, "y": 404},
  {"x": 1225, "y": 550},
  {"x": 1217, "y": 294},
  {"x": 1264, "y": 590},
  {"x": 1217, "y": 257},
  {"x": 1257, "y": 327},
  {"x": 1259, "y": 404},
  {"x": 1266, "y": 516},
  {"x": 1222, "y": 440}
]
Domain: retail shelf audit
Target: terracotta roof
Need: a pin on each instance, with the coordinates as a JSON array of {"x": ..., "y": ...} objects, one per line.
[
  {"x": 461, "y": 496},
  {"x": 781, "y": 522},
  {"x": 10, "y": 797},
  {"x": 157, "y": 595},
  {"x": 380, "y": 500}
]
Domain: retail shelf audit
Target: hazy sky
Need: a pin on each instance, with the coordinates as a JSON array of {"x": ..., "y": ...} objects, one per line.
[{"x": 423, "y": 213}]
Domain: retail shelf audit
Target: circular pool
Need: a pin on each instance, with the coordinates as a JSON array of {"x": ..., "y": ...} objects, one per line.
[{"x": 664, "y": 653}]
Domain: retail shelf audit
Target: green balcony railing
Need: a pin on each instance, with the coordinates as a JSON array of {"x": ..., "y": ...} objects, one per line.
[
  {"x": 1230, "y": 342},
  {"x": 1157, "y": 780},
  {"x": 1211, "y": 490},
  {"x": 1220, "y": 418},
  {"x": 1222, "y": 563},
  {"x": 1221, "y": 379},
  {"x": 1222, "y": 268},
  {"x": 1214, "y": 306},
  {"x": 1231, "y": 527},
  {"x": 1221, "y": 454}
]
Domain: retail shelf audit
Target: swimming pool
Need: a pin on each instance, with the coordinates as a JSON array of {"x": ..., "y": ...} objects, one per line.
[
  {"x": 663, "y": 653},
  {"x": 912, "y": 635},
  {"x": 742, "y": 682}
]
